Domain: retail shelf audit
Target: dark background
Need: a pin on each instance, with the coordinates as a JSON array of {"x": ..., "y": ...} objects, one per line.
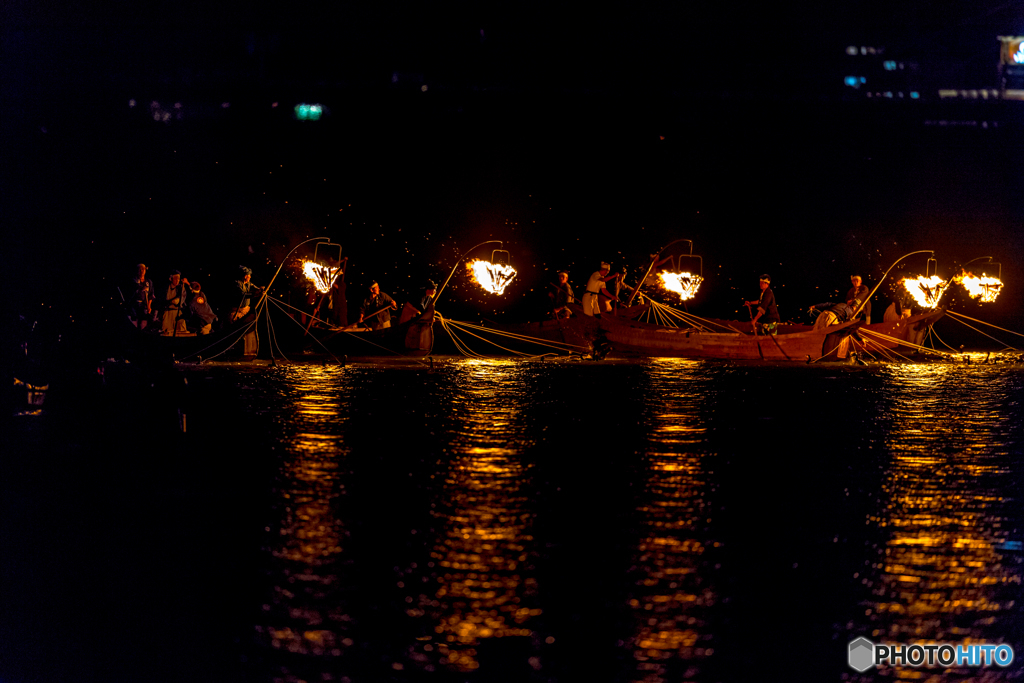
[{"x": 573, "y": 136}]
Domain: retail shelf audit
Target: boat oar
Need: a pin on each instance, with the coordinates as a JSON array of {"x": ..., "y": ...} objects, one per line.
[{"x": 367, "y": 317}]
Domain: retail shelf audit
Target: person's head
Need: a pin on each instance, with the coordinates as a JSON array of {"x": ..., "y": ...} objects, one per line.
[
  {"x": 430, "y": 288},
  {"x": 195, "y": 286},
  {"x": 765, "y": 281},
  {"x": 563, "y": 277},
  {"x": 605, "y": 267},
  {"x": 374, "y": 288},
  {"x": 140, "y": 271},
  {"x": 245, "y": 273},
  {"x": 175, "y": 278},
  {"x": 856, "y": 280}
]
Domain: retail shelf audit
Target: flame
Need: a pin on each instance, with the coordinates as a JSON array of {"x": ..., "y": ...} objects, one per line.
[
  {"x": 322, "y": 277},
  {"x": 683, "y": 284},
  {"x": 984, "y": 288},
  {"x": 494, "y": 277},
  {"x": 926, "y": 290}
]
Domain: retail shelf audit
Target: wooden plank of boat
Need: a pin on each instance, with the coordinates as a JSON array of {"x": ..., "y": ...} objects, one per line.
[
  {"x": 634, "y": 338},
  {"x": 911, "y": 330},
  {"x": 413, "y": 337}
]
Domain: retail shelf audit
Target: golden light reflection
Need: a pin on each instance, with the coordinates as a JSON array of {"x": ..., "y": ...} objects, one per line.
[
  {"x": 301, "y": 617},
  {"x": 683, "y": 284},
  {"x": 484, "y": 588},
  {"x": 493, "y": 277},
  {"x": 671, "y": 593},
  {"x": 946, "y": 571}
]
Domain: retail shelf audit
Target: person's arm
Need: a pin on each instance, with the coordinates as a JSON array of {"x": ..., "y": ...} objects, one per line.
[{"x": 604, "y": 292}]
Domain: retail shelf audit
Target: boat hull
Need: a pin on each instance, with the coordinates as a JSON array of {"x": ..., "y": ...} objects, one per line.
[
  {"x": 414, "y": 336},
  {"x": 631, "y": 338}
]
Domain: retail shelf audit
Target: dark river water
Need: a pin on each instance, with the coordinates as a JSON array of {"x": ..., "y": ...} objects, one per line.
[{"x": 499, "y": 520}]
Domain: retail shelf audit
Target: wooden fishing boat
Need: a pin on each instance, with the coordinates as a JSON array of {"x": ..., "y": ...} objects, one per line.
[
  {"x": 149, "y": 345},
  {"x": 902, "y": 334},
  {"x": 728, "y": 341},
  {"x": 412, "y": 336}
]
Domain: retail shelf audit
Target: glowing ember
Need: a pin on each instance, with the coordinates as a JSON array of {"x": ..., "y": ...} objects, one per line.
[
  {"x": 926, "y": 290},
  {"x": 683, "y": 284},
  {"x": 322, "y": 277},
  {"x": 494, "y": 277},
  {"x": 984, "y": 288}
]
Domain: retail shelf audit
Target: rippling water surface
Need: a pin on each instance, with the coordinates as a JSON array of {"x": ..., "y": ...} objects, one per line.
[
  {"x": 664, "y": 520},
  {"x": 656, "y": 521}
]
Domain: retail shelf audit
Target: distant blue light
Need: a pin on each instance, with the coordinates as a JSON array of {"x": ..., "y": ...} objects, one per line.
[
  {"x": 914, "y": 95},
  {"x": 889, "y": 64},
  {"x": 308, "y": 112},
  {"x": 853, "y": 81}
]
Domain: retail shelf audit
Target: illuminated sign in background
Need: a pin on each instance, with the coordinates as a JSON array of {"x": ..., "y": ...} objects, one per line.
[{"x": 1013, "y": 50}]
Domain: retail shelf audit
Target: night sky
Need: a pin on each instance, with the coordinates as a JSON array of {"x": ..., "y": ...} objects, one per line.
[{"x": 574, "y": 136}]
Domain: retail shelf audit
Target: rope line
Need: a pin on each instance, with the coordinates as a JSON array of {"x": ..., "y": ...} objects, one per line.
[
  {"x": 1005, "y": 345},
  {"x": 488, "y": 341},
  {"x": 313, "y": 336},
  {"x": 1001, "y": 329},
  {"x": 932, "y": 330},
  {"x": 515, "y": 335}
]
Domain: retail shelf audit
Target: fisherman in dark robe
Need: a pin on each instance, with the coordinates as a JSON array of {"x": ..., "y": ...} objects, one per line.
[
  {"x": 831, "y": 313},
  {"x": 200, "y": 316}
]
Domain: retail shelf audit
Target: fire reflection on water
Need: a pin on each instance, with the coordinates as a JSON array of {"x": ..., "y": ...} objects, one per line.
[
  {"x": 304, "y": 615},
  {"x": 947, "y": 570},
  {"x": 481, "y": 554},
  {"x": 671, "y": 595}
]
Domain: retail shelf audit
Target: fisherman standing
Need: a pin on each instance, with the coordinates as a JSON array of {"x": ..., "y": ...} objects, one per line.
[
  {"x": 595, "y": 287},
  {"x": 170, "y": 304},
  {"x": 246, "y": 290},
  {"x": 141, "y": 297},
  {"x": 767, "y": 313},
  {"x": 377, "y": 309},
  {"x": 562, "y": 296},
  {"x": 429, "y": 290},
  {"x": 861, "y": 293}
]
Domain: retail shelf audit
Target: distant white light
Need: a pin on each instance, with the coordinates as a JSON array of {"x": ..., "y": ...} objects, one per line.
[
  {"x": 131, "y": 103},
  {"x": 423, "y": 88},
  {"x": 851, "y": 50},
  {"x": 1018, "y": 56}
]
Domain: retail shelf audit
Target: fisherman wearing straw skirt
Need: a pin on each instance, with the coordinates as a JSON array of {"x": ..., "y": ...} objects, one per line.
[{"x": 596, "y": 283}]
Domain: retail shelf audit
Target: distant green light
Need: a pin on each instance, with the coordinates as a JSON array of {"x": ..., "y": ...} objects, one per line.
[{"x": 308, "y": 112}]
